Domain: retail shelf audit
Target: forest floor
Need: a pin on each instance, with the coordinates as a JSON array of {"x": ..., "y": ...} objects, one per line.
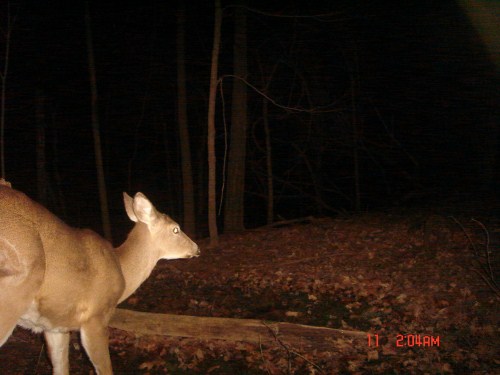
[{"x": 414, "y": 283}]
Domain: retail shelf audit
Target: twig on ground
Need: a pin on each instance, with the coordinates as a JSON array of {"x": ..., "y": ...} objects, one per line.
[
  {"x": 485, "y": 270},
  {"x": 291, "y": 351},
  {"x": 262, "y": 357}
]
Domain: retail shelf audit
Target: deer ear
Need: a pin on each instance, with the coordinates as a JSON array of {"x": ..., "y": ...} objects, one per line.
[
  {"x": 128, "y": 202},
  {"x": 144, "y": 209}
]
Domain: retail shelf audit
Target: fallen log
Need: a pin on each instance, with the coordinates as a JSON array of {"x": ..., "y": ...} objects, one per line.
[{"x": 297, "y": 336}]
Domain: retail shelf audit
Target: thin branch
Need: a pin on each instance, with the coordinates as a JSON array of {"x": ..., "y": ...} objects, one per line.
[
  {"x": 467, "y": 235},
  {"x": 487, "y": 249},
  {"x": 224, "y": 160},
  {"x": 316, "y": 110},
  {"x": 287, "y": 348},
  {"x": 484, "y": 271},
  {"x": 262, "y": 357},
  {"x": 3, "y": 77},
  {"x": 317, "y": 17}
]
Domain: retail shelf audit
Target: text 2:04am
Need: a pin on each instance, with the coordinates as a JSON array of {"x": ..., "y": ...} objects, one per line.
[{"x": 407, "y": 341}]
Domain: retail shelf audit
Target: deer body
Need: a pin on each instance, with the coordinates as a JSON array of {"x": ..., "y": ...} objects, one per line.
[{"x": 55, "y": 278}]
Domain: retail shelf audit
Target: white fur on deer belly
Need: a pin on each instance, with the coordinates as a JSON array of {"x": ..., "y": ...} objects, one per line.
[{"x": 32, "y": 319}]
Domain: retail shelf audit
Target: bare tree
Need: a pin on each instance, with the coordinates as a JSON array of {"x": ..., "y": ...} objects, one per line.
[
  {"x": 103, "y": 198},
  {"x": 212, "y": 207},
  {"x": 41, "y": 162},
  {"x": 3, "y": 75},
  {"x": 355, "y": 141},
  {"x": 235, "y": 196},
  {"x": 266, "y": 81},
  {"x": 269, "y": 162},
  {"x": 182, "y": 119}
]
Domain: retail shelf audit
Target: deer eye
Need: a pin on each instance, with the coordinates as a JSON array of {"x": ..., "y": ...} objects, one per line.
[{"x": 176, "y": 230}]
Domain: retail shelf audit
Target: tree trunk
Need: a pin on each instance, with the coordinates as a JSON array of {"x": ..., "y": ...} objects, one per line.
[
  {"x": 296, "y": 336},
  {"x": 212, "y": 208},
  {"x": 3, "y": 75},
  {"x": 235, "y": 194},
  {"x": 103, "y": 198},
  {"x": 355, "y": 148},
  {"x": 269, "y": 163},
  {"x": 182, "y": 118},
  {"x": 59, "y": 201},
  {"x": 41, "y": 162}
]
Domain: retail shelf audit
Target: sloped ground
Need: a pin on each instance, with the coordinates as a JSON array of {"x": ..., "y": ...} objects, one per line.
[{"x": 409, "y": 283}]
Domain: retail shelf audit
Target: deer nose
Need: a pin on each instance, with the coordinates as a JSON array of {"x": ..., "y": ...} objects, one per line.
[{"x": 197, "y": 252}]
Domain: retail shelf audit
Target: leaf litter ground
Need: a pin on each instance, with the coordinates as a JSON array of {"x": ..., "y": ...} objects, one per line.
[{"x": 413, "y": 284}]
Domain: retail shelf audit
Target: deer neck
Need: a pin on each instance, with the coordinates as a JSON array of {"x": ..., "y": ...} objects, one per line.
[{"x": 137, "y": 259}]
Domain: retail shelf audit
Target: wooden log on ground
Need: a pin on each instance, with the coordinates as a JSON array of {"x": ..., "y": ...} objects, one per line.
[{"x": 294, "y": 336}]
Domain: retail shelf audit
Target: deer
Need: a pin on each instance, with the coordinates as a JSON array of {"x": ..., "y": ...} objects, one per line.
[{"x": 56, "y": 279}]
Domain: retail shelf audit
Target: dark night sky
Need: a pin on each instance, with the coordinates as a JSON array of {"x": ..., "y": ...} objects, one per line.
[{"x": 426, "y": 102}]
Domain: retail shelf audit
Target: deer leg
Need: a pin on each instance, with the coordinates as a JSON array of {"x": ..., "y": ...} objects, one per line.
[
  {"x": 15, "y": 300},
  {"x": 94, "y": 335},
  {"x": 58, "y": 347},
  {"x": 21, "y": 275}
]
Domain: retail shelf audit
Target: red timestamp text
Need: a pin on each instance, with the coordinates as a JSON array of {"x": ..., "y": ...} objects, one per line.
[{"x": 407, "y": 341}]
